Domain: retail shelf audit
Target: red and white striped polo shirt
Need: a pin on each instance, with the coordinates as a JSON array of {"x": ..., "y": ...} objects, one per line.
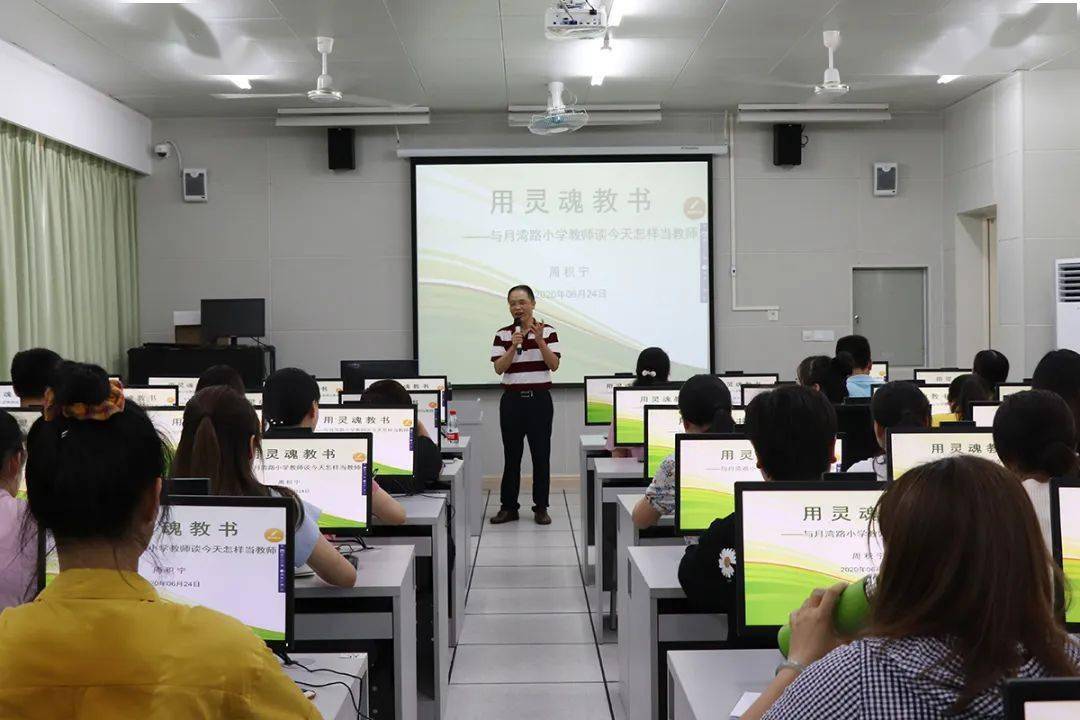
[{"x": 528, "y": 371}]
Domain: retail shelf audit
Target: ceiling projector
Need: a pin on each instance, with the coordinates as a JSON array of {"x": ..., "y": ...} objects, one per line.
[{"x": 574, "y": 20}]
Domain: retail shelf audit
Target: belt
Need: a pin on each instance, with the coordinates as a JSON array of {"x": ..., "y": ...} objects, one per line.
[{"x": 523, "y": 393}]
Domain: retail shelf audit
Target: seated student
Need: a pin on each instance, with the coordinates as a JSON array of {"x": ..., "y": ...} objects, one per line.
[
  {"x": 99, "y": 642},
  {"x": 427, "y": 458},
  {"x": 826, "y": 374},
  {"x": 291, "y": 401},
  {"x": 963, "y": 601},
  {"x": 653, "y": 368},
  {"x": 1035, "y": 437},
  {"x": 705, "y": 406},
  {"x": 963, "y": 389},
  {"x": 895, "y": 405},
  {"x": 793, "y": 431},
  {"x": 1059, "y": 372},
  {"x": 860, "y": 383},
  {"x": 992, "y": 366},
  {"x": 220, "y": 441},
  {"x": 18, "y": 536},
  {"x": 221, "y": 375},
  {"x": 30, "y": 373}
]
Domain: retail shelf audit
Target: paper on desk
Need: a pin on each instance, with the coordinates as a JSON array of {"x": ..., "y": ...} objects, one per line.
[{"x": 744, "y": 704}]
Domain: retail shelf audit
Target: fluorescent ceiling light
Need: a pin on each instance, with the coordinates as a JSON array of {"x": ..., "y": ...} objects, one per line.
[
  {"x": 946, "y": 79},
  {"x": 241, "y": 81},
  {"x": 158, "y": 2}
]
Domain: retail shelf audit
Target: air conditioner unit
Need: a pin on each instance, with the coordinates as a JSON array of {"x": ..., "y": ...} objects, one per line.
[{"x": 1067, "y": 295}]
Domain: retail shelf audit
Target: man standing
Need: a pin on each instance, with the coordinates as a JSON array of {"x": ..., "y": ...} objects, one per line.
[{"x": 525, "y": 353}]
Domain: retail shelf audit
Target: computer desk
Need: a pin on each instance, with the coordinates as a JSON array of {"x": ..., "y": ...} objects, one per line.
[
  {"x": 333, "y": 702},
  {"x": 376, "y": 616},
  {"x": 663, "y": 533},
  {"x": 590, "y": 446},
  {"x": 611, "y": 477},
  {"x": 706, "y": 684},
  {"x": 473, "y": 508},
  {"x": 453, "y": 472},
  {"x": 426, "y": 529}
]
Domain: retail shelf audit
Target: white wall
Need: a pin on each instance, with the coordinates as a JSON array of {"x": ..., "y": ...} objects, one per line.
[
  {"x": 39, "y": 97},
  {"x": 984, "y": 174},
  {"x": 332, "y": 251}
]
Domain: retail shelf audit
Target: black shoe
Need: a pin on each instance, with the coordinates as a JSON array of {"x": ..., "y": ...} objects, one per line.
[
  {"x": 504, "y": 516},
  {"x": 541, "y": 516}
]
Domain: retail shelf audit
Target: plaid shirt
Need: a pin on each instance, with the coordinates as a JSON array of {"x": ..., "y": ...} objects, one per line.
[{"x": 878, "y": 679}]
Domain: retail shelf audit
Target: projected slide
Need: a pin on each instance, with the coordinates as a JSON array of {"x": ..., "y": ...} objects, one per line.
[
  {"x": 798, "y": 540},
  {"x": 617, "y": 252}
]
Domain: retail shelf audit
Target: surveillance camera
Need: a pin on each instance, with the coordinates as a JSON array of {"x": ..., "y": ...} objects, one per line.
[{"x": 163, "y": 150}]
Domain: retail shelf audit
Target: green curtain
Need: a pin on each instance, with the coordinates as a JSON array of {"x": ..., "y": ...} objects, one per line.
[{"x": 69, "y": 270}]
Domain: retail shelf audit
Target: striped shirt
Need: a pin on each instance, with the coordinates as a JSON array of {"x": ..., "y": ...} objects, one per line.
[{"x": 528, "y": 371}]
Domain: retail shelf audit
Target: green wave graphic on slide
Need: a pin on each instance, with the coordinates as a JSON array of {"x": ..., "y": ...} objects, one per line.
[
  {"x": 657, "y": 454},
  {"x": 334, "y": 521},
  {"x": 1072, "y": 579},
  {"x": 629, "y": 430},
  {"x": 597, "y": 412},
  {"x": 381, "y": 469},
  {"x": 777, "y": 590},
  {"x": 698, "y": 507},
  {"x": 268, "y": 634},
  {"x": 461, "y": 305}
]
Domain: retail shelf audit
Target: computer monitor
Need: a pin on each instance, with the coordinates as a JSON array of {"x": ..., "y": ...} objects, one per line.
[
  {"x": 629, "y": 408},
  {"x": 1004, "y": 390},
  {"x": 879, "y": 371},
  {"x": 735, "y": 381},
  {"x": 179, "y": 487},
  {"x": 738, "y": 415},
  {"x": 599, "y": 397},
  {"x": 794, "y": 537},
  {"x": 355, "y": 372},
  {"x": 938, "y": 397},
  {"x": 1042, "y": 698},
  {"x": 1065, "y": 539},
  {"x": 230, "y": 554},
  {"x": 706, "y": 470},
  {"x": 329, "y": 390},
  {"x": 911, "y": 447},
  {"x": 8, "y": 398},
  {"x": 255, "y": 398},
  {"x": 849, "y": 477},
  {"x": 169, "y": 422},
  {"x": 332, "y": 471},
  {"x": 428, "y": 404},
  {"x": 153, "y": 395},
  {"x": 233, "y": 318},
  {"x": 392, "y": 427},
  {"x": 983, "y": 412},
  {"x": 939, "y": 376},
  {"x": 26, "y": 417},
  {"x": 838, "y": 451},
  {"x": 419, "y": 382},
  {"x": 662, "y": 424},
  {"x": 187, "y": 385},
  {"x": 749, "y": 392}
]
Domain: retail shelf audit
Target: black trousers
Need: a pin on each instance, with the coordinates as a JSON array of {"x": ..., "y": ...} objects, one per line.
[{"x": 526, "y": 414}]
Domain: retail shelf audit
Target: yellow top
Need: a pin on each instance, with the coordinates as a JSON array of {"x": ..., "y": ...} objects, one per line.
[
  {"x": 936, "y": 420},
  {"x": 101, "y": 644}
]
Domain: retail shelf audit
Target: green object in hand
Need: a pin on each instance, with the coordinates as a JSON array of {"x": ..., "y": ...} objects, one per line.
[{"x": 849, "y": 616}]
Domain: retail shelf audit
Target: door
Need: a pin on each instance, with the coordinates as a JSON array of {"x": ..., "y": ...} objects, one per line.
[{"x": 889, "y": 308}]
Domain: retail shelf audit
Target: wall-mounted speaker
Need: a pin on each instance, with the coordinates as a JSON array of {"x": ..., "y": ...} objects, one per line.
[
  {"x": 341, "y": 148},
  {"x": 787, "y": 144},
  {"x": 886, "y": 179}
]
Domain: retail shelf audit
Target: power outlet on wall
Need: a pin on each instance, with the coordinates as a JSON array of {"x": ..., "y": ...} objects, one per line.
[{"x": 774, "y": 315}]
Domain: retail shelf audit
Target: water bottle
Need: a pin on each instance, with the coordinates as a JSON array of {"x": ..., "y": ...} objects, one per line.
[{"x": 452, "y": 428}]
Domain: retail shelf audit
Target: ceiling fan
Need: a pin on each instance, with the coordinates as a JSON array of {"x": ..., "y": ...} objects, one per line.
[
  {"x": 324, "y": 92},
  {"x": 831, "y": 86}
]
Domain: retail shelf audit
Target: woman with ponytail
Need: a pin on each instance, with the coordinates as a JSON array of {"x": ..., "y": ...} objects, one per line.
[
  {"x": 1035, "y": 437},
  {"x": 705, "y": 406},
  {"x": 221, "y": 441},
  {"x": 653, "y": 368},
  {"x": 99, "y": 642},
  {"x": 828, "y": 375},
  {"x": 898, "y": 405}
]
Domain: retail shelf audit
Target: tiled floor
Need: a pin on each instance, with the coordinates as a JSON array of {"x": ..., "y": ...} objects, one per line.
[{"x": 527, "y": 651}]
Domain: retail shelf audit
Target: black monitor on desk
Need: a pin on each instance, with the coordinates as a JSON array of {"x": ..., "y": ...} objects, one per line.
[
  {"x": 233, "y": 318},
  {"x": 355, "y": 372}
]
